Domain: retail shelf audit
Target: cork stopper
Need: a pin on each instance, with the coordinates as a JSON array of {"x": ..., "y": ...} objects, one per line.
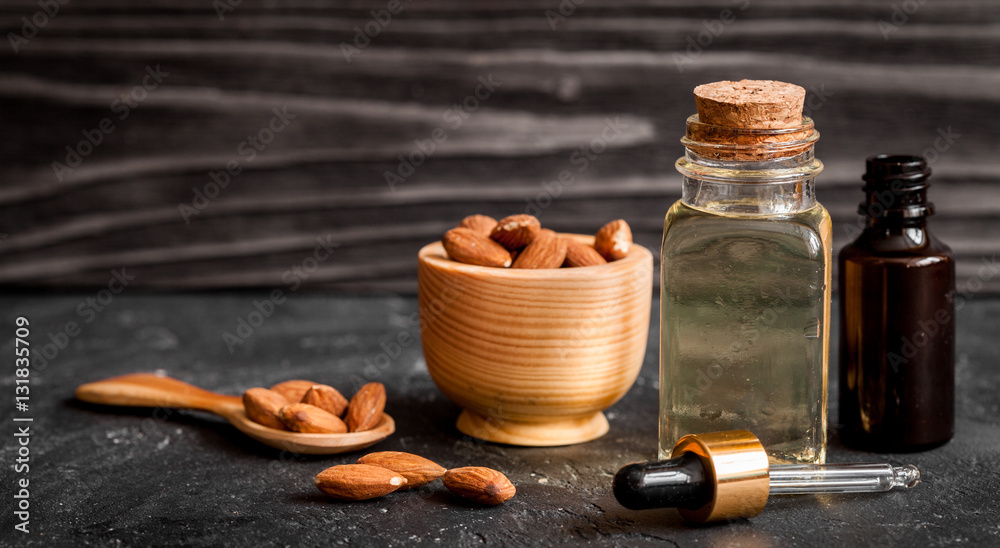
[
  {"x": 751, "y": 120},
  {"x": 750, "y": 104}
]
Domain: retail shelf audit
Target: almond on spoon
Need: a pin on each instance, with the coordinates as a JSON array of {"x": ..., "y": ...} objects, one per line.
[
  {"x": 293, "y": 390},
  {"x": 326, "y": 398},
  {"x": 365, "y": 409},
  {"x": 263, "y": 406},
  {"x": 309, "y": 419}
]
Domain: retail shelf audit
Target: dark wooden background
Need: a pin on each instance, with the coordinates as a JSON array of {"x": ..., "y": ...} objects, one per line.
[{"x": 323, "y": 176}]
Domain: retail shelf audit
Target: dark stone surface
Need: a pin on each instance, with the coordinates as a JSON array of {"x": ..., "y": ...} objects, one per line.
[{"x": 117, "y": 476}]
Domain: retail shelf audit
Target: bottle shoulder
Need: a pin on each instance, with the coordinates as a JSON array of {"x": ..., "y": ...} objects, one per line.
[
  {"x": 903, "y": 245},
  {"x": 816, "y": 216},
  {"x": 807, "y": 232}
]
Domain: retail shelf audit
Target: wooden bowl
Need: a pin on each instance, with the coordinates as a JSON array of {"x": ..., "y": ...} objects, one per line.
[{"x": 534, "y": 356}]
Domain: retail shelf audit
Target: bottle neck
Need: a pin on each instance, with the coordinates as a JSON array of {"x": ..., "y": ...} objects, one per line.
[
  {"x": 749, "y": 171},
  {"x": 749, "y": 199},
  {"x": 896, "y": 194},
  {"x": 896, "y": 225}
]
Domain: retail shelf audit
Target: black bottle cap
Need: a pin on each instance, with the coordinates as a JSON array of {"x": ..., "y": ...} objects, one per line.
[
  {"x": 896, "y": 188},
  {"x": 911, "y": 170}
]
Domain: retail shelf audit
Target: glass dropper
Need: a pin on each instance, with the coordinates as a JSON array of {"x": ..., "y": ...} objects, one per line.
[
  {"x": 725, "y": 475},
  {"x": 791, "y": 479}
]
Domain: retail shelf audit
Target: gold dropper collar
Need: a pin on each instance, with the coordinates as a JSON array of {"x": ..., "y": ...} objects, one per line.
[{"x": 737, "y": 467}]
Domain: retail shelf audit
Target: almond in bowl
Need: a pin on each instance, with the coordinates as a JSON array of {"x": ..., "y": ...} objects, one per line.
[{"x": 534, "y": 355}]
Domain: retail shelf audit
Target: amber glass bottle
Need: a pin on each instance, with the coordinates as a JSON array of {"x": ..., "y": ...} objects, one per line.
[{"x": 897, "y": 319}]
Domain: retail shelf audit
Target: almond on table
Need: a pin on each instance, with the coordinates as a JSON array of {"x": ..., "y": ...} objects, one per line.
[
  {"x": 358, "y": 481},
  {"x": 416, "y": 469},
  {"x": 402, "y": 471},
  {"x": 483, "y": 485}
]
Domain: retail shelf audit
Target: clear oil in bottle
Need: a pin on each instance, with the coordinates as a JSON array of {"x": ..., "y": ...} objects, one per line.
[{"x": 745, "y": 291}]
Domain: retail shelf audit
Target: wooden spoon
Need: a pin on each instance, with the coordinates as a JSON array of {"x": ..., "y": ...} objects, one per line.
[{"x": 146, "y": 390}]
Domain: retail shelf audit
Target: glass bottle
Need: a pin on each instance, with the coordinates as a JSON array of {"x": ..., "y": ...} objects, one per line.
[
  {"x": 745, "y": 292},
  {"x": 897, "y": 329}
]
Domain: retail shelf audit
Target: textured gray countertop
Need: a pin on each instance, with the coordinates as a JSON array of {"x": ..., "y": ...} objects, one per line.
[{"x": 129, "y": 476}]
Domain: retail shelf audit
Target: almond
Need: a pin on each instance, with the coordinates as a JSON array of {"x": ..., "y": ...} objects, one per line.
[
  {"x": 483, "y": 485},
  {"x": 263, "y": 406},
  {"x": 293, "y": 390},
  {"x": 416, "y": 469},
  {"x": 468, "y": 246},
  {"x": 309, "y": 419},
  {"x": 547, "y": 250},
  {"x": 326, "y": 398},
  {"x": 516, "y": 231},
  {"x": 365, "y": 409},
  {"x": 581, "y": 254},
  {"x": 614, "y": 240},
  {"x": 358, "y": 481},
  {"x": 481, "y": 224}
]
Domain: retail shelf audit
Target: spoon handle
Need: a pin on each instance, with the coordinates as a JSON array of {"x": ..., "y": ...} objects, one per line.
[{"x": 146, "y": 390}]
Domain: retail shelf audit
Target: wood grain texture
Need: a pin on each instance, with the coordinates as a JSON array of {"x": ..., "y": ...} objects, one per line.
[
  {"x": 534, "y": 356},
  {"x": 602, "y": 96}
]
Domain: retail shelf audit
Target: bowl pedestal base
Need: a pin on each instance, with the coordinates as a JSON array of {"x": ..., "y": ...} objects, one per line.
[{"x": 534, "y": 434}]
